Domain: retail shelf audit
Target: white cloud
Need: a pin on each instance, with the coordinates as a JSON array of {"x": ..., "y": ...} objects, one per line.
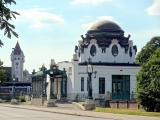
[
  {"x": 140, "y": 38},
  {"x": 154, "y": 9},
  {"x": 147, "y": 34},
  {"x": 39, "y": 17},
  {"x": 94, "y": 2},
  {"x": 88, "y": 25}
]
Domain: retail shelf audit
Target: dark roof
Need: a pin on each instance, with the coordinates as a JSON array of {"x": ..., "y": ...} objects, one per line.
[
  {"x": 105, "y": 26},
  {"x": 8, "y": 69},
  {"x": 17, "y": 49},
  {"x": 110, "y": 64}
]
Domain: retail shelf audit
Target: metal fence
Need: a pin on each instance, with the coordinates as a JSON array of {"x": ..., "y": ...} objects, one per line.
[
  {"x": 81, "y": 98},
  {"x": 8, "y": 96}
]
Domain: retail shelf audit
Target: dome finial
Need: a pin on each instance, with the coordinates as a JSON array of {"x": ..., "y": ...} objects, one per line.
[
  {"x": 53, "y": 62},
  {"x": 43, "y": 65}
]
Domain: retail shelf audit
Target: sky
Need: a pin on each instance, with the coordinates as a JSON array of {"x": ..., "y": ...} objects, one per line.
[{"x": 50, "y": 29}]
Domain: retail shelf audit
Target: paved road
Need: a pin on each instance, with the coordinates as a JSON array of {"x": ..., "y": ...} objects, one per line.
[{"x": 7, "y": 113}]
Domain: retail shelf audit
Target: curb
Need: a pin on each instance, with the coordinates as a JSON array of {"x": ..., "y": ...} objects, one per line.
[
  {"x": 78, "y": 105},
  {"x": 55, "y": 111}
]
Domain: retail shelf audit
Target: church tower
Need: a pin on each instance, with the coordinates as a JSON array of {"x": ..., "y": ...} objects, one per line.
[{"x": 17, "y": 58}]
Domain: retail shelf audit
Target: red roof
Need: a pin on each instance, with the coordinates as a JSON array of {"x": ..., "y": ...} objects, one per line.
[{"x": 17, "y": 49}]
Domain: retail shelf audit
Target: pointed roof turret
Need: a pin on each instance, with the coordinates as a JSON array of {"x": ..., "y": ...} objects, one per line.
[{"x": 17, "y": 49}]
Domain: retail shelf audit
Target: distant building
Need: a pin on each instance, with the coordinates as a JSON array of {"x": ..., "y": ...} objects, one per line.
[{"x": 17, "y": 62}]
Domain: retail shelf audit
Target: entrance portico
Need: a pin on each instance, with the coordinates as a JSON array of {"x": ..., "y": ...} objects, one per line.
[
  {"x": 59, "y": 88},
  {"x": 57, "y": 83}
]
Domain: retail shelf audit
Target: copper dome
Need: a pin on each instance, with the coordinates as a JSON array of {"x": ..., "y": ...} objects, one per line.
[{"x": 105, "y": 26}]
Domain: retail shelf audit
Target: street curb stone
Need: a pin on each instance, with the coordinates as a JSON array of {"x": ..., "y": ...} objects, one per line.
[{"x": 82, "y": 113}]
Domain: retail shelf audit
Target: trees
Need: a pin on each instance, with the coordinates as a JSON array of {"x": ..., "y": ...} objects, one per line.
[
  {"x": 148, "y": 78},
  {"x": 1, "y": 43},
  {"x": 5, "y": 16},
  {"x": 2, "y": 73},
  {"x": 1, "y": 63},
  {"x": 145, "y": 53}
]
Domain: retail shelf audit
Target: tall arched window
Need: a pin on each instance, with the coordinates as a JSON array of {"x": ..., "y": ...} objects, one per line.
[
  {"x": 130, "y": 51},
  {"x": 93, "y": 50},
  {"x": 114, "y": 50}
]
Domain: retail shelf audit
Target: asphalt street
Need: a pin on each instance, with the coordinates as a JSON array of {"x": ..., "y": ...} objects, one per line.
[{"x": 7, "y": 113}]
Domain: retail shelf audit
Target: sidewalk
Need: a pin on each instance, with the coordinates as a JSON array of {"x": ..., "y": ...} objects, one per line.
[{"x": 81, "y": 113}]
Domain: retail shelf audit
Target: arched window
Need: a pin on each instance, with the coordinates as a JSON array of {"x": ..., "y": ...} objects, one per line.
[
  {"x": 18, "y": 59},
  {"x": 114, "y": 50},
  {"x": 15, "y": 58},
  {"x": 130, "y": 51},
  {"x": 93, "y": 50}
]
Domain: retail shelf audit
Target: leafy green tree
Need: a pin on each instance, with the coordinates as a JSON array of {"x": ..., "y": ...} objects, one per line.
[
  {"x": 148, "y": 83},
  {"x": 2, "y": 76},
  {"x": 1, "y": 63},
  {"x": 1, "y": 43},
  {"x": 2, "y": 73},
  {"x": 5, "y": 16},
  {"x": 145, "y": 53}
]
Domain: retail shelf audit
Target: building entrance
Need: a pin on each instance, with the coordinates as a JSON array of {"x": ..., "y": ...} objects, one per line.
[{"x": 120, "y": 86}]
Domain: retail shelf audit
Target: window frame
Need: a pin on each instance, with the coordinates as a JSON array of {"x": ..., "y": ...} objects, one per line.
[{"x": 82, "y": 83}]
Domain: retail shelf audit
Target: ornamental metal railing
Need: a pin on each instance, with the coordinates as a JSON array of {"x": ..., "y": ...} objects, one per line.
[{"x": 81, "y": 98}]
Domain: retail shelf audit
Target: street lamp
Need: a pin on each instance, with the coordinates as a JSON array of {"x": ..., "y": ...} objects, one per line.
[
  {"x": 89, "y": 102},
  {"x": 51, "y": 72},
  {"x": 13, "y": 94},
  {"x": 51, "y": 80},
  {"x": 90, "y": 72},
  {"x": 14, "y": 100}
]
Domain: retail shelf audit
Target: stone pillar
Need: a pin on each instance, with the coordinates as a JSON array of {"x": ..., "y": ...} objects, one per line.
[
  {"x": 75, "y": 75},
  {"x": 59, "y": 89},
  {"x": 55, "y": 87}
]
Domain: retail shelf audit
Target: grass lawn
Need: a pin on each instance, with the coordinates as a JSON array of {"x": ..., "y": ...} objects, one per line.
[{"x": 127, "y": 111}]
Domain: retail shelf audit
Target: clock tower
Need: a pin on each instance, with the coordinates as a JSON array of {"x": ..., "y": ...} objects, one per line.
[{"x": 17, "y": 58}]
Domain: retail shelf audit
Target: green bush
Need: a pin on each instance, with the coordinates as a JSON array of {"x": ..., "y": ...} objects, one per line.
[{"x": 22, "y": 98}]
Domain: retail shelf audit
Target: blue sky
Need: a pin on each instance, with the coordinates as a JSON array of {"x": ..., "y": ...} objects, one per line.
[{"x": 50, "y": 30}]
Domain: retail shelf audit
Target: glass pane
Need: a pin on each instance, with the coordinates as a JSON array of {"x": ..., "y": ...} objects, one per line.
[
  {"x": 127, "y": 77},
  {"x": 113, "y": 87},
  {"x": 82, "y": 85},
  {"x": 122, "y": 86},
  {"x": 127, "y": 86},
  {"x": 120, "y": 76},
  {"x": 93, "y": 50},
  {"x": 118, "y": 86},
  {"x": 114, "y": 50},
  {"x": 101, "y": 85}
]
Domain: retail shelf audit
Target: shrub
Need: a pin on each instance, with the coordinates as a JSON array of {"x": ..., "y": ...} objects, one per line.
[{"x": 22, "y": 98}]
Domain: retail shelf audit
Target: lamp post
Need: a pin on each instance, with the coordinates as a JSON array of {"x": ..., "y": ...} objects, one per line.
[
  {"x": 89, "y": 103},
  {"x": 13, "y": 94},
  {"x": 51, "y": 85},
  {"x": 14, "y": 100},
  {"x": 51, "y": 72},
  {"x": 90, "y": 72}
]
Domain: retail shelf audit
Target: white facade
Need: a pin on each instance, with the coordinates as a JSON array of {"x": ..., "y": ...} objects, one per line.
[{"x": 113, "y": 57}]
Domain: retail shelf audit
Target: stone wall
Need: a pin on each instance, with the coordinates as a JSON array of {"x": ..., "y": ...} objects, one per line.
[
  {"x": 122, "y": 104},
  {"x": 38, "y": 101}
]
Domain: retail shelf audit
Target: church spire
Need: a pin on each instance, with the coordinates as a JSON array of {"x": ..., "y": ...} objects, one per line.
[{"x": 17, "y": 49}]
